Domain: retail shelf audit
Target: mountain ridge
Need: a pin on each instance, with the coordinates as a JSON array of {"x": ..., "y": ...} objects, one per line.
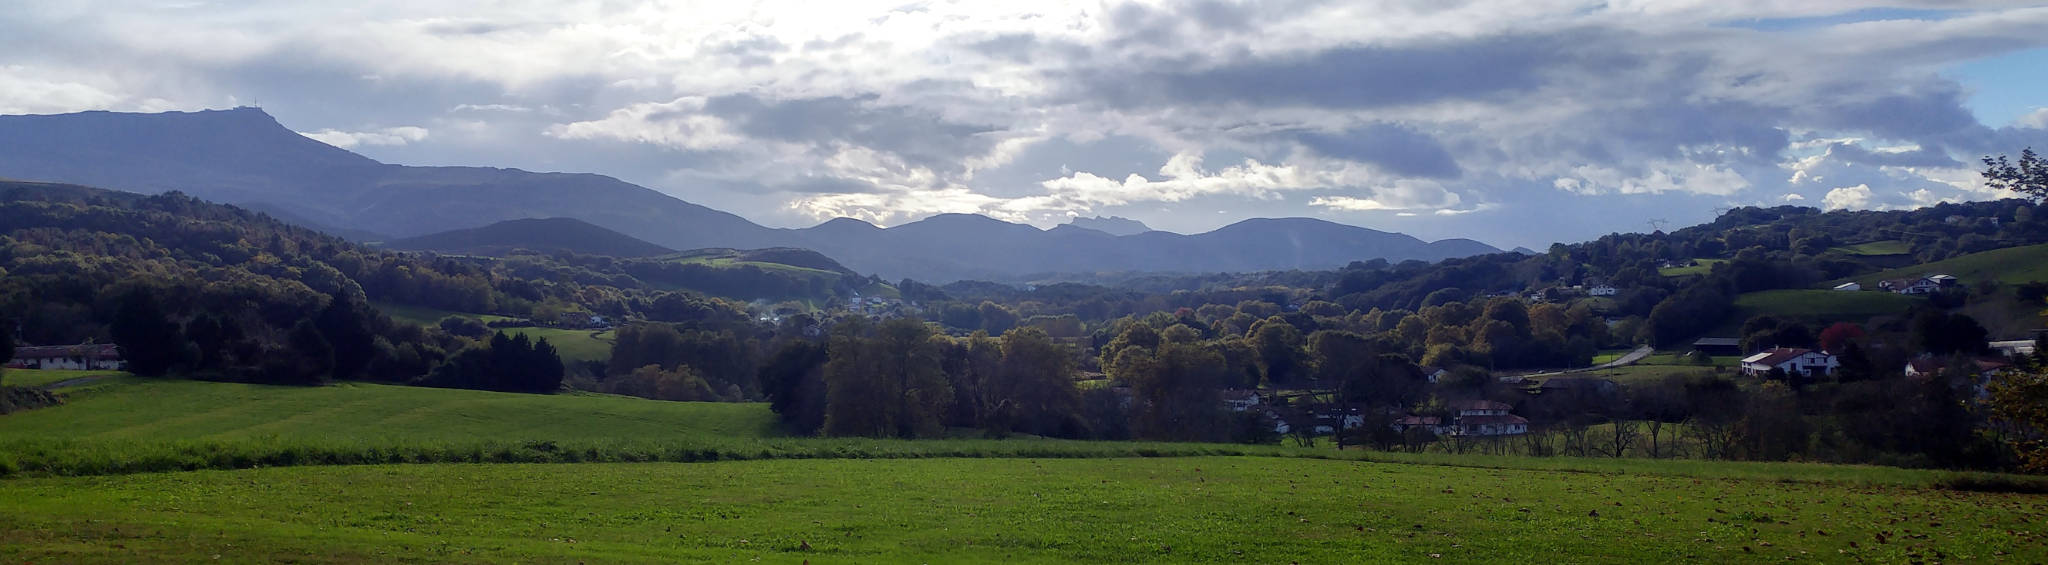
[
  {"x": 553, "y": 235},
  {"x": 243, "y": 156}
]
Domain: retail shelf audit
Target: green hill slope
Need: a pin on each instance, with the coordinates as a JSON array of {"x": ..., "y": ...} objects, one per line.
[
  {"x": 1814, "y": 307},
  {"x": 136, "y": 409},
  {"x": 2011, "y": 265}
]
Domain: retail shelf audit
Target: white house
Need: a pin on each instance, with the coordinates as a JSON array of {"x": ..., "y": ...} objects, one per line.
[
  {"x": 89, "y": 356},
  {"x": 1852, "y": 285},
  {"x": 1922, "y": 285},
  {"x": 1793, "y": 361},
  {"x": 1488, "y": 418},
  {"x": 1239, "y": 400},
  {"x": 1602, "y": 290},
  {"x": 1435, "y": 374}
]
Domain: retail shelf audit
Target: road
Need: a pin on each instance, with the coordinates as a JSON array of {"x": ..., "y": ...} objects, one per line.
[{"x": 1630, "y": 359}]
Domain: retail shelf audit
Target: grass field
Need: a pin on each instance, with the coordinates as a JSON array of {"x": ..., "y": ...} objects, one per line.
[
  {"x": 168, "y": 410},
  {"x": 2011, "y": 265},
  {"x": 1814, "y": 307},
  {"x": 1705, "y": 266},
  {"x": 1879, "y": 248},
  {"x": 1189, "y": 510},
  {"x": 1643, "y": 373},
  {"x": 574, "y": 345},
  {"x": 43, "y": 378}
]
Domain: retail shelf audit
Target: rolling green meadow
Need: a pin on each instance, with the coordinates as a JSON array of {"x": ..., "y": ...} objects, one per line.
[
  {"x": 134, "y": 469},
  {"x": 572, "y": 345},
  {"x": 2012, "y": 265}
]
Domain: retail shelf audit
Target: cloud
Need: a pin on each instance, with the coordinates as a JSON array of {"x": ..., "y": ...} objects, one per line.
[
  {"x": 793, "y": 110},
  {"x": 392, "y": 136},
  {"x": 1793, "y": 197},
  {"x": 1658, "y": 177},
  {"x": 1395, "y": 148},
  {"x": 1848, "y": 198},
  {"x": 2037, "y": 119}
]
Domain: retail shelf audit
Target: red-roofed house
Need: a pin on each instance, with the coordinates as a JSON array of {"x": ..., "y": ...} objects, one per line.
[{"x": 1793, "y": 361}]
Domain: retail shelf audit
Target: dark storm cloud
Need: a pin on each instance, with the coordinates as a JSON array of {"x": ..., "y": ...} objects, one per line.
[
  {"x": 1395, "y": 148},
  {"x": 1365, "y": 77}
]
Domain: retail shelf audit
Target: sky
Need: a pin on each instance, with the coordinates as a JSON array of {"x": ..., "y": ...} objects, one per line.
[{"x": 1513, "y": 122}]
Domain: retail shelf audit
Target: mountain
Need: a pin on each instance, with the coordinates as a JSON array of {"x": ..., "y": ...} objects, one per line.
[
  {"x": 245, "y": 157},
  {"x": 963, "y": 246},
  {"x": 554, "y": 235},
  {"x": 1113, "y": 225}
]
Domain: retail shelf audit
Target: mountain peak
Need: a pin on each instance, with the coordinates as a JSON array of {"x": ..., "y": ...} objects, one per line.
[{"x": 1112, "y": 225}]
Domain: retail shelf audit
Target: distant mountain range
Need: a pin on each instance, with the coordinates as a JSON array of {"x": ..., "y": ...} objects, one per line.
[
  {"x": 1113, "y": 225},
  {"x": 245, "y": 157},
  {"x": 554, "y": 235}
]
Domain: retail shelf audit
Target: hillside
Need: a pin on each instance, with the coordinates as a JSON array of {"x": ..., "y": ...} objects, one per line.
[
  {"x": 2012, "y": 265},
  {"x": 245, "y": 157},
  {"x": 550, "y": 235}
]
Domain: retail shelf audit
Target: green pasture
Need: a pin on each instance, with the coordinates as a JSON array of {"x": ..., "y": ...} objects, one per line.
[
  {"x": 1184, "y": 510},
  {"x": 47, "y": 377},
  {"x": 1814, "y": 307},
  {"x": 148, "y": 410},
  {"x": 573, "y": 345},
  {"x": 2012, "y": 265},
  {"x": 1878, "y": 248},
  {"x": 1705, "y": 266}
]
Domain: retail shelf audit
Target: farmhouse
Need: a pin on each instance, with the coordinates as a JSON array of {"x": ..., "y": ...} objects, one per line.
[
  {"x": 1435, "y": 374},
  {"x": 1239, "y": 400},
  {"x": 1922, "y": 285},
  {"x": 1488, "y": 418},
  {"x": 88, "y": 356},
  {"x": 1793, "y": 361}
]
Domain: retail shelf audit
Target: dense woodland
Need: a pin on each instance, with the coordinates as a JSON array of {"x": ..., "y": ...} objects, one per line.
[{"x": 210, "y": 291}]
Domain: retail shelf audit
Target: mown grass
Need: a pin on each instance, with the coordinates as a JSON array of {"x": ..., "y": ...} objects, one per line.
[
  {"x": 146, "y": 410},
  {"x": 2012, "y": 265},
  {"x": 573, "y": 345},
  {"x": 1704, "y": 266},
  {"x": 1878, "y": 248},
  {"x": 45, "y": 377},
  {"x": 1189, "y": 510},
  {"x": 1813, "y": 307}
]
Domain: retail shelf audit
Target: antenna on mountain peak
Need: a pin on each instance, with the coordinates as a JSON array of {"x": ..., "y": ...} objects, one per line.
[{"x": 1657, "y": 224}]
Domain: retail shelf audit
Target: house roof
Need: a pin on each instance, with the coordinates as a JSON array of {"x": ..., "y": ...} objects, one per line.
[
  {"x": 1496, "y": 420},
  {"x": 1481, "y": 405},
  {"x": 1240, "y": 394},
  {"x": 1776, "y": 356},
  {"x": 92, "y": 350}
]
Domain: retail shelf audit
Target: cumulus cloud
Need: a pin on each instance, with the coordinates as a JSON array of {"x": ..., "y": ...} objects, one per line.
[
  {"x": 2037, "y": 119},
  {"x": 1848, "y": 198},
  {"x": 392, "y": 136}
]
